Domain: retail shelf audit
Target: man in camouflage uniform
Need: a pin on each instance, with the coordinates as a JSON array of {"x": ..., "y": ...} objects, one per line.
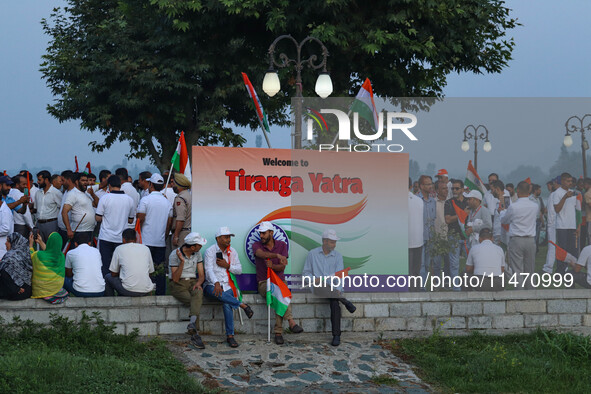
[{"x": 181, "y": 210}]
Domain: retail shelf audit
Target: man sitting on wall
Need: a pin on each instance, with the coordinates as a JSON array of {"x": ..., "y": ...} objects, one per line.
[{"x": 485, "y": 259}]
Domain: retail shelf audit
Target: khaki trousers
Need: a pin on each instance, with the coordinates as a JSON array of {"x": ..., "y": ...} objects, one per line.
[
  {"x": 183, "y": 292},
  {"x": 278, "y": 319}
]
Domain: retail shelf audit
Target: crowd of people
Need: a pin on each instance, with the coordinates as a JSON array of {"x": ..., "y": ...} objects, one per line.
[
  {"x": 499, "y": 231},
  {"x": 68, "y": 234}
]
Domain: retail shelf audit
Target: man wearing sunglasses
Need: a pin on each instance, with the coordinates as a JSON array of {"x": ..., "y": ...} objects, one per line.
[{"x": 453, "y": 227}]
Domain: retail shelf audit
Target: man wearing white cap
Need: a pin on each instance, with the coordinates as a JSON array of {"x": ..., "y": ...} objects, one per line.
[
  {"x": 220, "y": 261},
  {"x": 325, "y": 261},
  {"x": 272, "y": 253},
  {"x": 443, "y": 176},
  {"x": 155, "y": 215},
  {"x": 186, "y": 279},
  {"x": 478, "y": 218}
]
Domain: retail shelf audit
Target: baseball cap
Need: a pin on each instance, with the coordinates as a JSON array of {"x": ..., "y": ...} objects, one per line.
[
  {"x": 156, "y": 179},
  {"x": 6, "y": 179},
  {"x": 330, "y": 234},
  {"x": 194, "y": 239},
  {"x": 442, "y": 172},
  {"x": 223, "y": 231},
  {"x": 473, "y": 194},
  {"x": 266, "y": 226}
]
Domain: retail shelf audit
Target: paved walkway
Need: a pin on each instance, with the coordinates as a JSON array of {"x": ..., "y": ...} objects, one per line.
[{"x": 306, "y": 362}]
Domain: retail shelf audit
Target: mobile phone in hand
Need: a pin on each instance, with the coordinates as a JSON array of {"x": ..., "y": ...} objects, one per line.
[
  {"x": 35, "y": 233},
  {"x": 219, "y": 255}
]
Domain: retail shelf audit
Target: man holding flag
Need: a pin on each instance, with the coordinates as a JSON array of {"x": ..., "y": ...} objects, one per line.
[
  {"x": 454, "y": 211},
  {"x": 221, "y": 264},
  {"x": 272, "y": 253}
]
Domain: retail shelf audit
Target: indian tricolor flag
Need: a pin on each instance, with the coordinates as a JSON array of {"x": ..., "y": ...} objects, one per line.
[
  {"x": 473, "y": 181},
  {"x": 278, "y": 294},
  {"x": 462, "y": 216},
  {"x": 365, "y": 106},
  {"x": 180, "y": 159},
  {"x": 563, "y": 255},
  {"x": 579, "y": 209},
  {"x": 258, "y": 107}
]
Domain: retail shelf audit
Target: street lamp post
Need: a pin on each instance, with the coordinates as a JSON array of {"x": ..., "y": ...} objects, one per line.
[
  {"x": 571, "y": 127},
  {"x": 476, "y": 136},
  {"x": 271, "y": 84}
]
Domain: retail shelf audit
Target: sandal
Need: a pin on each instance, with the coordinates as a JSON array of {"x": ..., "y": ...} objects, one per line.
[
  {"x": 248, "y": 311},
  {"x": 232, "y": 342}
]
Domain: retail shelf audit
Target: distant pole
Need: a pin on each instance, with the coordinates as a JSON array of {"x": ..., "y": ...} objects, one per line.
[
  {"x": 471, "y": 132},
  {"x": 571, "y": 127}
]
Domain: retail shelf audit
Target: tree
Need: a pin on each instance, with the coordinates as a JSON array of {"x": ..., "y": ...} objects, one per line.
[
  {"x": 141, "y": 72},
  {"x": 570, "y": 162}
]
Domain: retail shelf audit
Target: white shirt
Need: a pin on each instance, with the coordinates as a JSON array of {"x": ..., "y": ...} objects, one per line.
[
  {"x": 23, "y": 219},
  {"x": 486, "y": 258},
  {"x": 585, "y": 261},
  {"x": 99, "y": 192},
  {"x": 134, "y": 264},
  {"x": 157, "y": 209},
  {"x": 566, "y": 218},
  {"x": 415, "y": 221},
  {"x": 551, "y": 212},
  {"x": 521, "y": 218},
  {"x": 60, "y": 220},
  {"x": 128, "y": 189},
  {"x": 490, "y": 201},
  {"x": 6, "y": 226},
  {"x": 48, "y": 203},
  {"x": 86, "y": 264},
  {"x": 169, "y": 194},
  {"x": 144, "y": 193},
  {"x": 81, "y": 205},
  {"x": 115, "y": 208},
  {"x": 214, "y": 273}
]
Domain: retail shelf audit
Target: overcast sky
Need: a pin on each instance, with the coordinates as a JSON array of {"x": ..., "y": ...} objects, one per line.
[{"x": 552, "y": 58}]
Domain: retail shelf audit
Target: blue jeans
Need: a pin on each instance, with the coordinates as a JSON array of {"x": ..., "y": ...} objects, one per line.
[
  {"x": 229, "y": 302},
  {"x": 69, "y": 285},
  {"x": 454, "y": 261},
  {"x": 158, "y": 257}
]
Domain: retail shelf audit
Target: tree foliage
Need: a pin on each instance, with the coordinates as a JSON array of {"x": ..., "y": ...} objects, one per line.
[{"x": 142, "y": 71}]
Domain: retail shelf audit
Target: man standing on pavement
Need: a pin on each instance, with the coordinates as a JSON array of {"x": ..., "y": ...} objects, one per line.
[
  {"x": 489, "y": 199},
  {"x": 115, "y": 212},
  {"x": 443, "y": 177},
  {"x": 181, "y": 210},
  {"x": 415, "y": 233},
  {"x": 272, "y": 253},
  {"x": 429, "y": 212},
  {"x": 564, "y": 202},
  {"x": 502, "y": 201},
  {"x": 23, "y": 220},
  {"x": 47, "y": 204},
  {"x": 6, "y": 219},
  {"x": 155, "y": 216},
  {"x": 186, "y": 280},
  {"x": 478, "y": 218},
  {"x": 78, "y": 212},
  {"x": 521, "y": 218},
  {"x": 127, "y": 188},
  {"x": 453, "y": 227},
  {"x": 144, "y": 183},
  {"x": 440, "y": 227}
]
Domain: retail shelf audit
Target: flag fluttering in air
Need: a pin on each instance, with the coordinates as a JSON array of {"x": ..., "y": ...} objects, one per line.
[
  {"x": 473, "y": 181},
  {"x": 76, "y": 160},
  {"x": 278, "y": 294},
  {"x": 258, "y": 107},
  {"x": 365, "y": 106},
  {"x": 579, "y": 209},
  {"x": 88, "y": 168},
  {"x": 232, "y": 281},
  {"x": 563, "y": 255},
  {"x": 528, "y": 180},
  {"x": 462, "y": 216},
  {"x": 180, "y": 159}
]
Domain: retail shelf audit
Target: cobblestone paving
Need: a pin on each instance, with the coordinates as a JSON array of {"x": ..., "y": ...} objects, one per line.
[{"x": 306, "y": 362}]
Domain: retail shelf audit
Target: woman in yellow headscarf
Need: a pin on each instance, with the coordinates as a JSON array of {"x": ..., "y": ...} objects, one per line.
[{"x": 48, "y": 269}]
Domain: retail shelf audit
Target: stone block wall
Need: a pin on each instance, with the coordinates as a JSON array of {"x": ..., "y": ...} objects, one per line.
[{"x": 399, "y": 314}]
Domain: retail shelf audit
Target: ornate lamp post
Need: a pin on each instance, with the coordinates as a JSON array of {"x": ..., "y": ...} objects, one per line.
[
  {"x": 271, "y": 84},
  {"x": 476, "y": 136},
  {"x": 571, "y": 127}
]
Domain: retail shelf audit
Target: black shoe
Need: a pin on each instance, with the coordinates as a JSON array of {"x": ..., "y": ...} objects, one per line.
[
  {"x": 232, "y": 342},
  {"x": 349, "y": 305},
  {"x": 191, "y": 329},
  {"x": 197, "y": 342},
  {"x": 279, "y": 339},
  {"x": 248, "y": 311},
  {"x": 296, "y": 329},
  {"x": 336, "y": 340}
]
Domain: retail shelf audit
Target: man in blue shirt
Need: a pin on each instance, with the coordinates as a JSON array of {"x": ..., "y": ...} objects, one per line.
[{"x": 322, "y": 262}]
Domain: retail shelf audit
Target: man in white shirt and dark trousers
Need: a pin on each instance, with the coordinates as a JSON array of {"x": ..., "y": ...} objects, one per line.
[
  {"x": 415, "y": 234},
  {"x": 220, "y": 261},
  {"x": 115, "y": 211},
  {"x": 47, "y": 204},
  {"x": 128, "y": 189},
  {"x": 155, "y": 215},
  {"x": 186, "y": 279},
  {"x": 130, "y": 268},
  {"x": 485, "y": 259},
  {"x": 83, "y": 270},
  {"x": 78, "y": 212},
  {"x": 564, "y": 202},
  {"x": 521, "y": 218}
]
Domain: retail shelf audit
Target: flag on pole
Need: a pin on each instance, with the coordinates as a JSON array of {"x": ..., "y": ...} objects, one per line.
[
  {"x": 258, "y": 107},
  {"x": 278, "y": 294},
  {"x": 365, "y": 106},
  {"x": 563, "y": 255},
  {"x": 88, "y": 168},
  {"x": 180, "y": 159},
  {"x": 76, "y": 160},
  {"x": 232, "y": 281},
  {"x": 473, "y": 181},
  {"x": 528, "y": 180},
  {"x": 579, "y": 209},
  {"x": 462, "y": 216}
]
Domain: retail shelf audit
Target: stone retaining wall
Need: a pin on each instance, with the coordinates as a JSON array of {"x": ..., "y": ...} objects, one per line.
[{"x": 399, "y": 314}]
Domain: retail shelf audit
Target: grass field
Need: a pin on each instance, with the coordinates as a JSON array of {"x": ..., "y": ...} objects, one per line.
[
  {"x": 85, "y": 357},
  {"x": 540, "y": 362}
]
